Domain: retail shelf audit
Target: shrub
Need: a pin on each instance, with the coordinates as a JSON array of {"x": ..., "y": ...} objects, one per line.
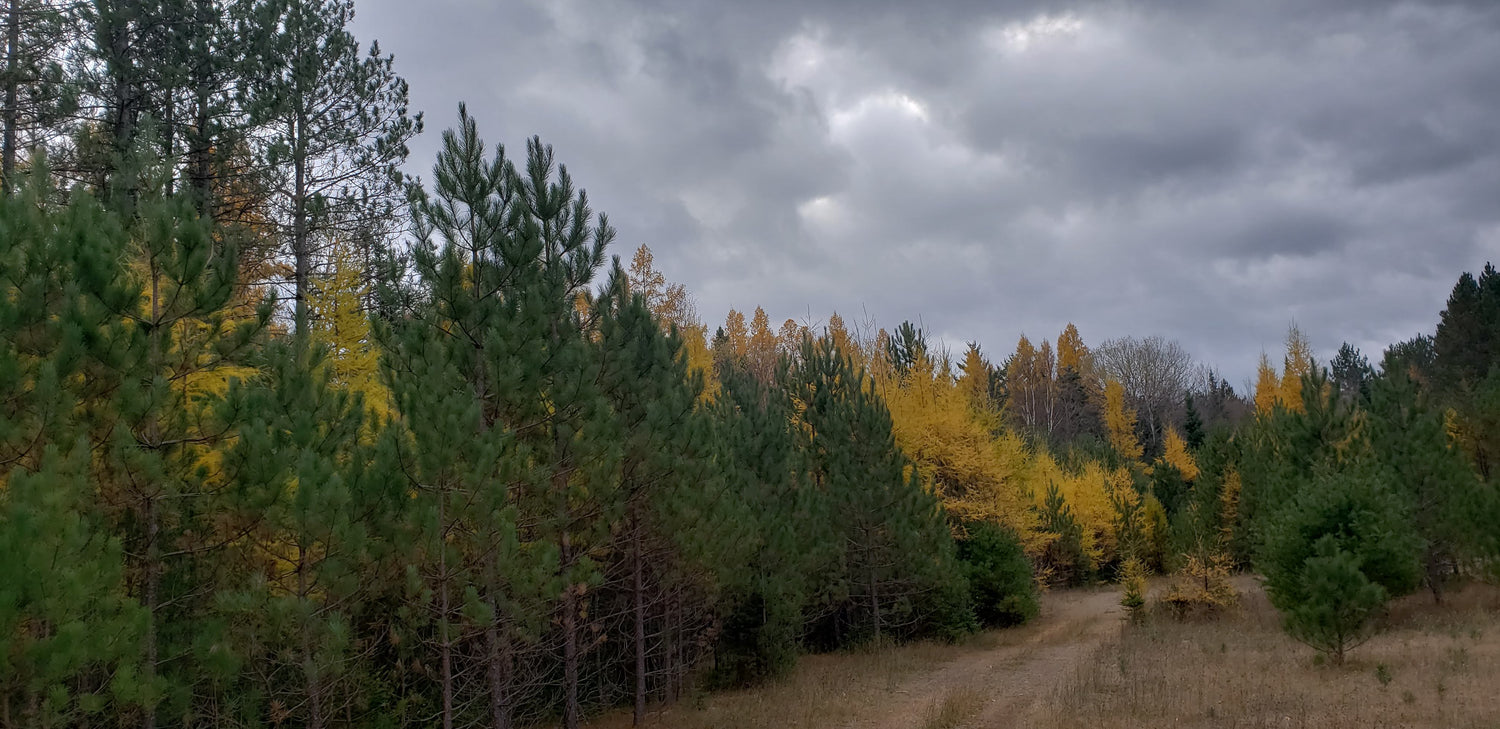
[
  {"x": 1201, "y": 587},
  {"x": 1133, "y": 587},
  {"x": 1334, "y": 615},
  {"x": 1335, "y": 554}
]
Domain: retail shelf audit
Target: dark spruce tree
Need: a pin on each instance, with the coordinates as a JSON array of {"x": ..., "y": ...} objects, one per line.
[{"x": 1352, "y": 374}]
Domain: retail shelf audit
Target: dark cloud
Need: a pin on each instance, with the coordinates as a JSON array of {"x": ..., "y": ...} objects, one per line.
[{"x": 1208, "y": 171}]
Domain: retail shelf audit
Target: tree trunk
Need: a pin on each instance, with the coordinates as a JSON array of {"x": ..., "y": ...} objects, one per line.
[
  {"x": 1435, "y": 578},
  {"x": 309, "y": 666},
  {"x": 149, "y": 599},
  {"x": 500, "y": 670},
  {"x": 150, "y": 590},
  {"x": 123, "y": 121},
  {"x": 300, "y": 254},
  {"x": 12, "y": 95},
  {"x": 570, "y": 640},
  {"x": 445, "y": 644},
  {"x": 200, "y": 146},
  {"x": 638, "y": 581}
]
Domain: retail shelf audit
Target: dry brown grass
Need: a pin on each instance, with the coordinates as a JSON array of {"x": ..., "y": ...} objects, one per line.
[
  {"x": 823, "y": 691},
  {"x": 956, "y": 706},
  {"x": 1430, "y": 667}
]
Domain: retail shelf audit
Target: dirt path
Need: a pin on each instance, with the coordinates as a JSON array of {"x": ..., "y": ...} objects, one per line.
[{"x": 1020, "y": 672}]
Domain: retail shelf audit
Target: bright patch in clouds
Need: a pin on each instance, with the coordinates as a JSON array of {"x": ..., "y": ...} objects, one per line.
[{"x": 1018, "y": 37}]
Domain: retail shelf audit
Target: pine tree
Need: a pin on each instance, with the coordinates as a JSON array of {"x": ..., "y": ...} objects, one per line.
[
  {"x": 1335, "y": 552},
  {"x": 1352, "y": 373},
  {"x": 38, "y": 94},
  {"x": 301, "y": 464},
  {"x": 895, "y": 545},
  {"x": 1467, "y": 344},
  {"x": 672, "y": 535},
  {"x": 335, "y": 126},
  {"x": 71, "y": 637},
  {"x": 1448, "y": 501},
  {"x": 1192, "y": 424},
  {"x": 504, "y": 257},
  {"x": 792, "y": 540}
]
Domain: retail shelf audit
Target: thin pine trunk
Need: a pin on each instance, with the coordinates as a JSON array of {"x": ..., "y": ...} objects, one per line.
[
  {"x": 571, "y": 710},
  {"x": 12, "y": 94},
  {"x": 638, "y": 580},
  {"x": 445, "y": 644},
  {"x": 309, "y": 666},
  {"x": 500, "y": 657}
]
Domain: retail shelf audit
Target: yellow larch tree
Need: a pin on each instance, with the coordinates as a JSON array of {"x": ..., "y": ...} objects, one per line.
[
  {"x": 1297, "y": 364},
  {"x": 839, "y": 333},
  {"x": 762, "y": 349},
  {"x": 789, "y": 338},
  {"x": 1093, "y": 494},
  {"x": 340, "y": 322},
  {"x": 673, "y": 306},
  {"x": 1175, "y": 454},
  {"x": 1072, "y": 354},
  {"x": 736, "y": 334},
  {"x": 953, "y": 450},
  {"x": 974, "y": 381},
  {"x": 1021, "y": 382},
  {"x": 1267, "y": 386},
  {"x": 1119, "y": 422},
  {"x": 1229, "y": 505},
  {"x": 669, "y": 302}
]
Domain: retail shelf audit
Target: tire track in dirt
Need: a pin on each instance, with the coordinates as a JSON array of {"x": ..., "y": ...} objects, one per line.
[{"x": 1021, "y": 672}]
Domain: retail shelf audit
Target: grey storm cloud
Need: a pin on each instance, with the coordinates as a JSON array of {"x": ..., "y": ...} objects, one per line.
[{"x": 1206, "y": 171}]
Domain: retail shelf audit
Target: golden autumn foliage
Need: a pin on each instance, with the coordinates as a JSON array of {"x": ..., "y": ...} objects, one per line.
[
  {"x": 670, "y": 303},
  {"x": 736, "y": 334},
  {"x": 789, "y": 337},
  {"x": 1072, "y": 354},
  {"x": 974, "y": 381},
  {"x": 1175, "y": 454},
  {"x": 1267, "y": 386},
  {"x": 954, "y": 452},
  {"x": 762, "y": 348},
  {"x": 1284, "y": 389},
  {"x": 1032, "y": 384},
  {"x": 1229, "y": 504},
  {"x": 839, "y": 333},
  {"x": 1119, "y": 422},
  {"x": 699, "y": 359},
  {"x": 1092, "y": 492},
  {"x": 1296, "y": 365},
  {"x": 1202, "y": 586},
  {"x": 341, "y": 324},
  {"x": 673, "y": 306}
]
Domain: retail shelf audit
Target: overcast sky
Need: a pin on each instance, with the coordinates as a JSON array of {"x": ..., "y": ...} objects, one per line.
[{"x": 1206, "y": 171}]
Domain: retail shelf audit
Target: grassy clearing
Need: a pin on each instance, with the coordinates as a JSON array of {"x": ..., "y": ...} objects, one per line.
[
  {"x": 823, "y": 691},
  {"x": 1431, "y": 667}
]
